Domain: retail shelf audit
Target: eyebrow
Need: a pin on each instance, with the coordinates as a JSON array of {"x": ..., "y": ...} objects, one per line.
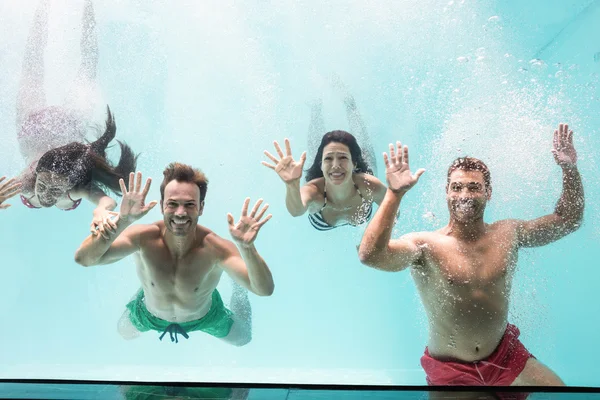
[{"x": 181, "y": 201}]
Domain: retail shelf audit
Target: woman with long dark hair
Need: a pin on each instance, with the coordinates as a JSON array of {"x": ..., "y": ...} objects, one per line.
[
  {"x": 341, "y": 183},
  {"x": 62, "y": 166}
]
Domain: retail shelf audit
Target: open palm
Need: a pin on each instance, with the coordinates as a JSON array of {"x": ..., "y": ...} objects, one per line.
[
  {"x": 563, "y": 148},
  {"x": 244, "y": 232},
  {"x": 133, "y": 204},
  {"x": 286, "y": 167},
  {"x": 397, "y": 171}
]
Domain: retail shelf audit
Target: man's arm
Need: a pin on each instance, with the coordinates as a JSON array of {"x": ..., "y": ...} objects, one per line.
[
  {"x": 376, "y": 249},
  {"x": 565, "y": 219},
  {"x": 247, "y": 268},
  {"x": 568, "y": 212},
  {"x": 122, "y": 241}
]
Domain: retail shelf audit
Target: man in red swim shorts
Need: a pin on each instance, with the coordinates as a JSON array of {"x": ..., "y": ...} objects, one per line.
[{"x": 464, "y": 270}]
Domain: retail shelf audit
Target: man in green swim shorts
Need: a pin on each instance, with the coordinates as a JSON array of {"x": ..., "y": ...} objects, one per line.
[{"x": 180, "y": 263}]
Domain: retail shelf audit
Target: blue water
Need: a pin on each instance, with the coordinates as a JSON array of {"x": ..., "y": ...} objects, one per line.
[{"x": 214, "y": 83}]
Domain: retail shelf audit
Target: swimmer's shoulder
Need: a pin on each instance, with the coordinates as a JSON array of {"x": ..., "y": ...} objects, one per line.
[{"x": 145, "y": 232}]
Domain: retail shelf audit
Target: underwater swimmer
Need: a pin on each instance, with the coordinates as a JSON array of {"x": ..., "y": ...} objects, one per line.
[
  {"x": 340, "y": 188},
  {"x": 341, "y": 183},
  {"x": 180, "y": 263},
  {"x": 62, "y": 169},
  {"x": 464, "y": 270}
]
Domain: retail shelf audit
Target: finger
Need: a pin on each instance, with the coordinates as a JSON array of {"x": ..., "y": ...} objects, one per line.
[
  {"x": 406, "y": 155},
  {"x": 122, "y": 185},
  {"x": 110, "y": 226},
  {"x": 255, "y": 208},
  {"x": 138, "y": 182},
  {"x": 288, "y": 148},
  {"x": 399, "y": 153},
  {"x": 555, "y": 140},
  {"x": 131, "y": 181},
  {"x": 266, "y": 164},
  {"x": 570, "y": 137},
  {"x": 245, "y": 207},
  {"x": 12, "y": 192},
  {"x": 278, "y": 149},
  {"x": 392, "y": 153},
  {"x": 302, "y": 159},
  {"x": 103, "y": 232},
  {"x": 147, "y": 187},
  {"x": 418, "y": 174},
  {"x": 271, "y": 156},
  {"x": 563, "y": 134},
  {"x": 262, "y": 212},
  {"x": 150, "y": 206},
  {"x": 386, "y": 161},
  {"x": 4, "y": 206},
  {"x": 230, "y": 220},
  {"x": 3, "y": 178},
  {"x": 7, "y": 183},
  {"x": 258, "y": 225}
]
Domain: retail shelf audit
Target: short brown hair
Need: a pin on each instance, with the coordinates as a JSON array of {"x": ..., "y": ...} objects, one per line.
[
  {"x": 184, "y": 173},
  {"x": 471, "y": 164}
]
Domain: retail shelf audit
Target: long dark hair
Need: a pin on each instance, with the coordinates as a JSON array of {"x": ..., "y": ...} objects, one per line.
[
  {"x": 85, "y": 165},
  {"x": 342, "y": 137}
]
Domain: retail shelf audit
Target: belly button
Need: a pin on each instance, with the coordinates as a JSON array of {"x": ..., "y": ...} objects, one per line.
[{"x": 477, "y": 348}]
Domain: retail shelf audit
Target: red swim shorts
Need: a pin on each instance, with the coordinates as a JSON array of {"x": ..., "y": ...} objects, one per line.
[{"x": 501, "y": 368}]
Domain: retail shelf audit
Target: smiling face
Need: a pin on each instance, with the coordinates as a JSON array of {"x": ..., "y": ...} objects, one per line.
[
  {"x": 181, "y": 207},
  {"x": 337, "y": 164},
  {"x": 50, "y": 187},
  {"x": 467, "y": 195}
]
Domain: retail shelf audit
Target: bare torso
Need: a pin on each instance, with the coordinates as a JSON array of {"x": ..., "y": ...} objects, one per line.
[
  {"x": 465, "y": 288},
  {"x": 178, "y": 289}
]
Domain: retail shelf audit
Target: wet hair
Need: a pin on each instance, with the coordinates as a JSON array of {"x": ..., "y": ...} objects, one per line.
[
  {"x": 471, "y": 164},
  {"x": 86, "y": 166},
  {"x": 184, "y": 173},
  {"x": 342, "y": 137}
]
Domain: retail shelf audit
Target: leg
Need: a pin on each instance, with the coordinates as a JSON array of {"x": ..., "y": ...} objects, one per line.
[
  {"x": 124, "y": 326},
  {"x": 357, "y": 126},
  {"x": 241, "y": 331},
  {"x": 31, "y": 94},
  {"x": 537, "y": 374},
  {"x": 80, "y": 96},
  {"x": 316, "y": 130}
]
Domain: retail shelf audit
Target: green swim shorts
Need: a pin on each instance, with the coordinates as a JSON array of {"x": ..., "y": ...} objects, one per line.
[
  {"x": 162, "y": 393},
  {"x": 217, "y": 322}
]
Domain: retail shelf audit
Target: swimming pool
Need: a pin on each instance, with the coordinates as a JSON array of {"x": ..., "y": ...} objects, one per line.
[{"x": 214, "y": 85}]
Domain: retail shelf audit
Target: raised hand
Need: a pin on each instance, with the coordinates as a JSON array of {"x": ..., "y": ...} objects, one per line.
[
  {"x": 563, "y": 148},
  {"x": 245, "y": 230},
  {"x": 133, "y": 205},
  {"x": 8, "y": 190},
  {"x": 287, "y": 169},
  {"x": 397, "y": 171}
]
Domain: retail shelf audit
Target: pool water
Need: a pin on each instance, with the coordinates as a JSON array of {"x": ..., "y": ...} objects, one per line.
[{"x": 213, "y": 84}]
